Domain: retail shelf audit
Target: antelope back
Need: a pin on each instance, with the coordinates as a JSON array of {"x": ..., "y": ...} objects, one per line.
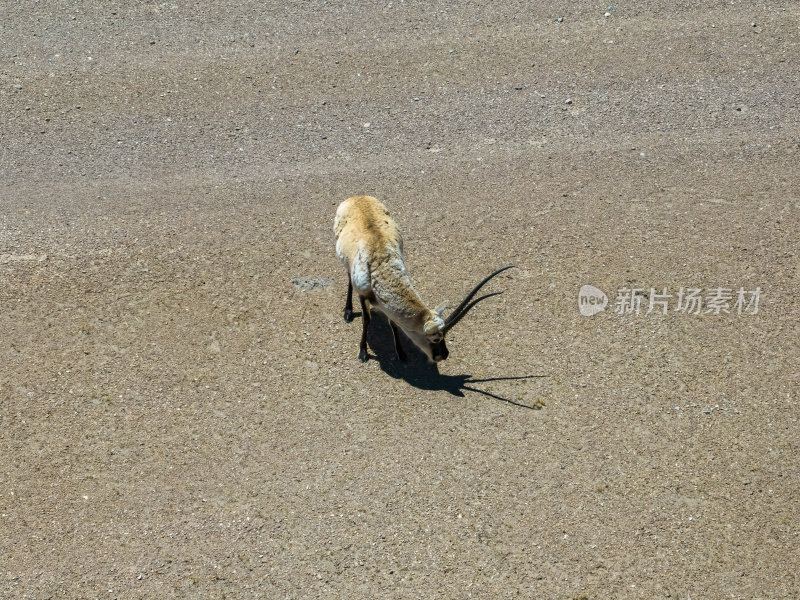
[{"x": 363, "y": 224}]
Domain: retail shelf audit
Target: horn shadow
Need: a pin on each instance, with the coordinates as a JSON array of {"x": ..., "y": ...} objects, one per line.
[{"x": 423, "y": 374}]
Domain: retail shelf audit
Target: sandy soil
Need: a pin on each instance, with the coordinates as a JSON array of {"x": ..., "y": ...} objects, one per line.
[{"x": 182, "y": 417}]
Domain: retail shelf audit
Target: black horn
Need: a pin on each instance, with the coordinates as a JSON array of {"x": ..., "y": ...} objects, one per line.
[{"x": 463, "y": 308}]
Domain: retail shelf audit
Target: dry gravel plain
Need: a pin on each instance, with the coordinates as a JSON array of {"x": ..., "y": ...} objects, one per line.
[{"x": 182, "y": 410}]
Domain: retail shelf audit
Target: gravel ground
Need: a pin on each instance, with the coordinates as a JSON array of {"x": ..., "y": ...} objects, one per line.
[{"x": 183, "y": 414}]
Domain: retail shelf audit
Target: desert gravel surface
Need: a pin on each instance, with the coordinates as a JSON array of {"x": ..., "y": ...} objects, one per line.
[{"x": 182, "y": 410}]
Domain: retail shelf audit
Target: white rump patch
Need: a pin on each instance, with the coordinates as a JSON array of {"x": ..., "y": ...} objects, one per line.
[
  {"x": 359, "y": 272},
  {"x": 339, "y": 252}
]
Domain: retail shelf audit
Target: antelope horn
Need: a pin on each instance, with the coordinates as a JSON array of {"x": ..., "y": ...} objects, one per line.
[{"x": 463, "y": 308}]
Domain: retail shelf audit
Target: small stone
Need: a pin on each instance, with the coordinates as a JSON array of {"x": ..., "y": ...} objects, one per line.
[
  {"x": 306, "y": 284},
  {"x": 608, "y": 14},
  {"x": 568, "y": 101},
  {"x": 560, "y": 20}
]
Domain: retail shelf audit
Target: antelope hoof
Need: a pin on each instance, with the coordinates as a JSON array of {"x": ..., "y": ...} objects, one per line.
[
  {"x": 348, "y": 315},
  {"x": 362, "y": 356}
]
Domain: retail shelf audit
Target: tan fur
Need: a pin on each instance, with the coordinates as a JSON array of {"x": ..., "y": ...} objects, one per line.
[{"x": 369, "y": 244}]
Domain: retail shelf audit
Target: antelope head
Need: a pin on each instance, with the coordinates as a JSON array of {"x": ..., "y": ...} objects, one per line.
[{"x": 431, "y": 339}]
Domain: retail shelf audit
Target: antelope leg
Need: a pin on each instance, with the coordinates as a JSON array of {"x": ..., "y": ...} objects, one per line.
[
  {"x": 401, "y": 356},
  {"x": 348, "y": 305},
  {"x": 365, "y": 318}
]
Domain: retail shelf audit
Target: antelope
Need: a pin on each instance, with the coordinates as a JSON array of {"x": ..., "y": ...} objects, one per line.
[{"x": 369, "y": 244}]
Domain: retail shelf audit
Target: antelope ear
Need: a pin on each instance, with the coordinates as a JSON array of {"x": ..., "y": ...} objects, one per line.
[{"x": 440, "y": 309}]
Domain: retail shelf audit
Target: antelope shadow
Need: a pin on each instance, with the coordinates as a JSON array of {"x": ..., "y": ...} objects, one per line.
[{"x": 418, "y": 371}]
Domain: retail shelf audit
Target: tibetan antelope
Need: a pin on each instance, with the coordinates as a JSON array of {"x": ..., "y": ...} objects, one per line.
[{"x": 370, "y": 246}]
